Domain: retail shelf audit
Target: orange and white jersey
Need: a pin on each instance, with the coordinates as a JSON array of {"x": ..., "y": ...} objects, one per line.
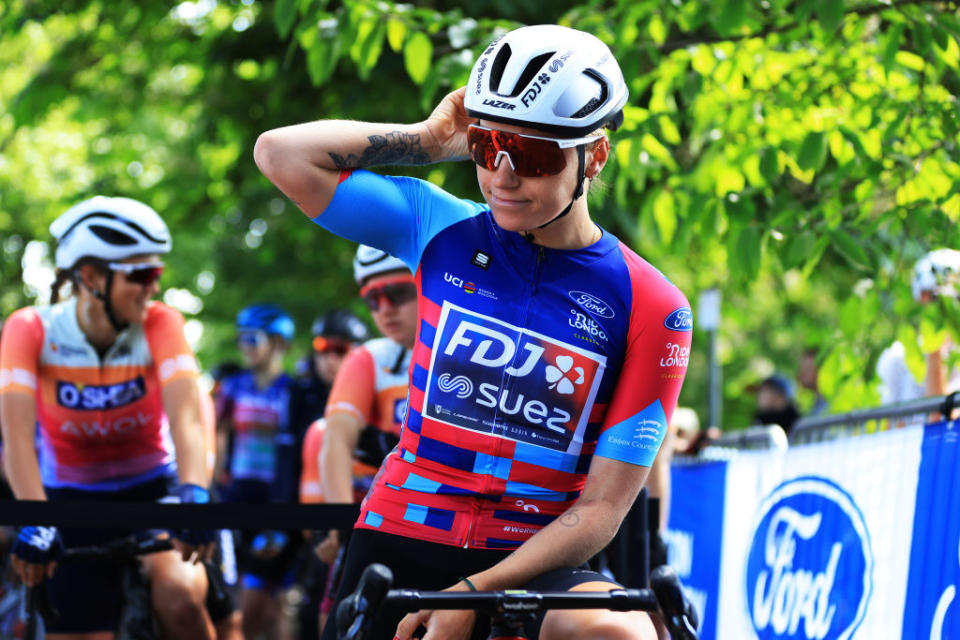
[
  {"x": 101, "y": 419},
  {"x": 311, "y": 483},
  {"x": 372, "y": 385}
]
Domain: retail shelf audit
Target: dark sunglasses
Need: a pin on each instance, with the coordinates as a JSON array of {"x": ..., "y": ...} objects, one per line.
[
  {"x": 529, "y": 156},
  {"x": 396, "y": 292},
  {"x": 143, "y": 274},
  {"x": 331, "y": 345},
  {"x": 251, "y": 338}
]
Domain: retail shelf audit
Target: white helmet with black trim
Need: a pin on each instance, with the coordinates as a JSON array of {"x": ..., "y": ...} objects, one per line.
[
  {"x": 108, "y": 228},
  {"x": 937, "y": 272},
  {"x": 548, "y": 77},
  {"x": 371, "y": 262}
]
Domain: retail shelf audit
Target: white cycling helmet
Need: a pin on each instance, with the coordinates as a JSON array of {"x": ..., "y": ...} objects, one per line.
[
  {"x": 938, "y": 272},
  {"x": 548, "y": 77},
  {"x": 109, "y": 229},
  {"x": 371, "y": 262}
]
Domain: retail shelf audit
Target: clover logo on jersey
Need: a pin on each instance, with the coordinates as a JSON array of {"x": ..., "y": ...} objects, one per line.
[
  {"x": 562, "y": 378},
  {"x": 489, "y": 376}
]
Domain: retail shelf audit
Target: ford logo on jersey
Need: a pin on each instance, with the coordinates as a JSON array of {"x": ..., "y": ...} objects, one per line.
[
  {"x": 100, "y": 397},
  {"x": 810, "y": 567},
  {"x": 592, "y": 304},
  {"x": 680, "y": 320},
  {"x": 489, "y": 376}
]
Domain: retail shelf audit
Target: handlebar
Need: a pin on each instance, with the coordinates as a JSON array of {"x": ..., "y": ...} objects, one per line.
[{"x": 355, "y": 614}]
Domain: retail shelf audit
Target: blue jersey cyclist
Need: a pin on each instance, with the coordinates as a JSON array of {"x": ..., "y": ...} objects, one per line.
[
  {"x": 254, "y": 433},
  {"x": 541, "y": 382}
]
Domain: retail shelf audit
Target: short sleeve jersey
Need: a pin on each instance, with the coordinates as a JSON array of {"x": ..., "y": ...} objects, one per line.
[
  {"x": 101, "y": 419},
  {"x": 528, "y": 362},
  {"x": 372, "y": 385},
  {"x": 259, "y": 421}
]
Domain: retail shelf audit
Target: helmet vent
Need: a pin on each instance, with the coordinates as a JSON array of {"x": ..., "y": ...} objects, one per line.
[
  {"x": 499, "y": 64},
  {"x": 111, "y": 236},
  {"x": 534, "y": 67},
  {"x": 595, "y": 102}
]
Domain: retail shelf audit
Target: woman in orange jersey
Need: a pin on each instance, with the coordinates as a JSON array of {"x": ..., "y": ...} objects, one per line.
[{"x": 112, "y": 383}]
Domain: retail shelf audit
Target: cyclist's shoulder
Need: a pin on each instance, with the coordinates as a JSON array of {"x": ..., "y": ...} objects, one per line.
[
  {"x": 380, "y": 350},
  {"x": 363, "y": 183},
  {"x": 650, "y": 284},
  {"x": 161, "y": 315}
]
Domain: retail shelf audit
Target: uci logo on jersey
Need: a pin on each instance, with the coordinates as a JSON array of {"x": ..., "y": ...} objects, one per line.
[
  {"x": 100, "y": 397},
  {"x": 490, "y": 376},
  {"x": 680, "y": 319},
  {"x": 810, "y": 567}
]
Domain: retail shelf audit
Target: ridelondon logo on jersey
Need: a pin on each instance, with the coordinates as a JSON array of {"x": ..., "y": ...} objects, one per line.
[
  {"x": 490, "y": 376},
  {"x": 810, "y": 568}
]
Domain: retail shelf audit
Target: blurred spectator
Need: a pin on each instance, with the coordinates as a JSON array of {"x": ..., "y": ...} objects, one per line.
[
  {"x": 807, "y": 374},
  {"x": 935, "y": 275},
  {"x": 775, "y": 403}
]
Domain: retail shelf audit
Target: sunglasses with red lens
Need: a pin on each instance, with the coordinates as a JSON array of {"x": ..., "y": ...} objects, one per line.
[
  {"x": 331, "y": 345},
  {"x": 143, "y": 273},
  {"x": 529, "y": 156},
  {"x": 395, "y": 292}
]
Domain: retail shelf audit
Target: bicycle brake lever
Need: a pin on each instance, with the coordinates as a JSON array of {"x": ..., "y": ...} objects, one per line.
[
  {"x": 355, "y": 614},
  {"x": 679, "y": 614}
]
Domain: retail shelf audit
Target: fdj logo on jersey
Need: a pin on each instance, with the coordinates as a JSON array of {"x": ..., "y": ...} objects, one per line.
[
  {"x": 809, "y": 572},
  {"x": 490, "y": 376},
  {"x": 100, "y": 397}
]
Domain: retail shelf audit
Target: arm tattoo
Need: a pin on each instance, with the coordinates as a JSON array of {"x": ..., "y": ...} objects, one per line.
[
  {"x": 393, "y": 148},
  {"x": 570, "y": 519}
]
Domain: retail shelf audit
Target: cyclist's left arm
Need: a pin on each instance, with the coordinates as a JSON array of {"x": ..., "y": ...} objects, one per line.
[{"x": 177, "y": 370}]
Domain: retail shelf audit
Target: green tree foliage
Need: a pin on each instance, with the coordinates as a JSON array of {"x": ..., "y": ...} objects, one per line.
[{"x": 798, "y": 155}]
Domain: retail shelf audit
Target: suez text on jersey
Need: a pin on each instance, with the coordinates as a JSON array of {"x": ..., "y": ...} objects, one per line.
[
  {"x": 484, "y": 354},
  {"x": 100, "y": 397}
]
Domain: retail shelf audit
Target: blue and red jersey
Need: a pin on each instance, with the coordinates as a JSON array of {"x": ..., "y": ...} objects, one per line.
[
  {"x": 528, "y": 362},
  {"x": 258, "y": 418}
]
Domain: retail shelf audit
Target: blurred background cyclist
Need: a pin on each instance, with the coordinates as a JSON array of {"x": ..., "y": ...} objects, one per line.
[
  {"x": 254, "y": 432},
  {"x": 335, "y": 333},
  {"x": 111, "y": 381}
]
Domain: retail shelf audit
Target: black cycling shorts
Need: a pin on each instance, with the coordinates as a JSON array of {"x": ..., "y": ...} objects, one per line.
[
  {"x": 430, "y": 566},
  {"x": 86, "y": 592}
]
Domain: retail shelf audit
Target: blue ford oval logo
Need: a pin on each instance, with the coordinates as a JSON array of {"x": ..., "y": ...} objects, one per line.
[
  {"x": 680, "y": 320},
  {"x": 810, "y": 568},
  {"x": 591, "y": 304}
]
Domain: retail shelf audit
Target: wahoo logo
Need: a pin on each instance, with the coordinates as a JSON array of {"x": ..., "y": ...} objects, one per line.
[
  {"x": 499, "y": 104},
  {"x": 680, "y": 319},
  {"x": 100, "y": 397},
  {"x": 480, "y": 70},
  {"x": 810, "y": 567}
]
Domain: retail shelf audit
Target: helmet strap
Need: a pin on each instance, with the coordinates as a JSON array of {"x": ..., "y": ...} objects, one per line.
[
  {"x": 104, "y": 297},
  {"x": 578, "y": 191}
]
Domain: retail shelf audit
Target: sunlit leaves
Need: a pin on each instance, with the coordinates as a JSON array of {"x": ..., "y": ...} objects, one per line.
[{"x": 417, "y": 53}]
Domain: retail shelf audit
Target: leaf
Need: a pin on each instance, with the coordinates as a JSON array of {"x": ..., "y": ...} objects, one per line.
[
  {"x": 770, "y": 164},
  {"x": 922, "y": 37},
  {"x": 748, "y": 250},
  {"x": 830, "y": 15},
  {"x": 284, "y": 15},
  {"x": 417, "y": 54},
  {"x": 849, "y": 248},
  {"x": 799, "y": 248},
  {"x": 891, "y": 46},
  {"x": 731, "y": 17},
  {"x": 665, "y": 215},
  {"x": 813, "y": 151},
  {"x": 396, "y": 33}
]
